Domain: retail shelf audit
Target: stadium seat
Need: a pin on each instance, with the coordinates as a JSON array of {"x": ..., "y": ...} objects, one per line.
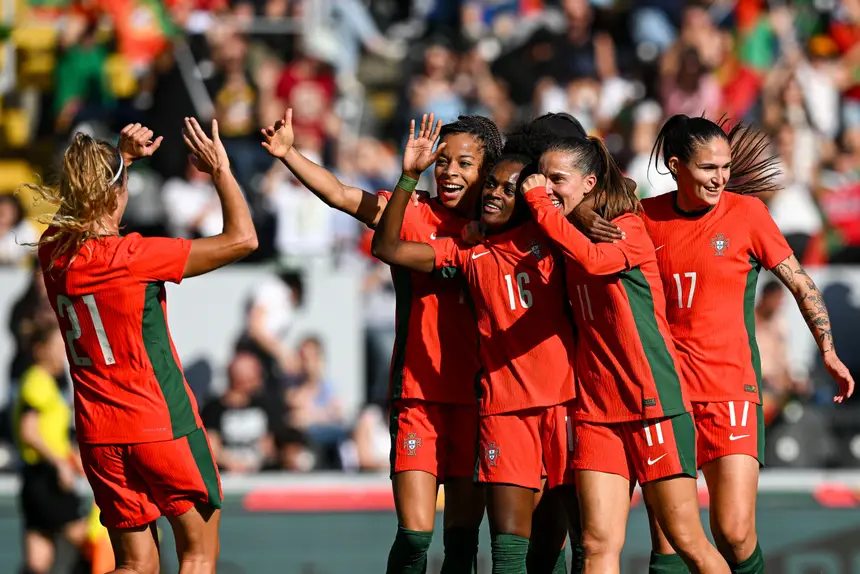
[
  {"x": 12, "y": 174},
  {"x": 801, "y": 437},
  {"x": 845, "y": 420}
]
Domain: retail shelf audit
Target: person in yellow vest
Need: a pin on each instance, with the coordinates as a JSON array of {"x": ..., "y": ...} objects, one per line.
[{"x": 42, "y": 417}]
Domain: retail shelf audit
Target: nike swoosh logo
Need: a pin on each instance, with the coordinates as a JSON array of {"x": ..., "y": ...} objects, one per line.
[
  {"x": 740, "y": 436},
  {"x": 476, "y": 255},
  {"x": 653, "y": 462},
  {"x": 433, "y": 236},
  {"x": 658, "y": 248}
]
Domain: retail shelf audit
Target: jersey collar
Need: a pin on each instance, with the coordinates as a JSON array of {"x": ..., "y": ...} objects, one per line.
[{"x": 690, "y": 214}]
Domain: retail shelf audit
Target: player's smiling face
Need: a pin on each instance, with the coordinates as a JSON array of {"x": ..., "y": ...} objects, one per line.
[
  {"x": 702, "y": 180},
  {"x": 499, "y": 199},
  {"x": 458, "y": 171},
  {"x": 566, "y": 185}
]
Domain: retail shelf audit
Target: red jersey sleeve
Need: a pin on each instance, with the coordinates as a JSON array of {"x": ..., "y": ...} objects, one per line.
[
  {"x": 768, "y": 244},
  {"x": 154, "y": 258},
  {"x": 596, "y": 259},
  {"x": 449, "y": 253}
]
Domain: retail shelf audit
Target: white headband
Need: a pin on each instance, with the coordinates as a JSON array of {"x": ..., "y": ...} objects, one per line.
[{"x": 118, "y": 171}]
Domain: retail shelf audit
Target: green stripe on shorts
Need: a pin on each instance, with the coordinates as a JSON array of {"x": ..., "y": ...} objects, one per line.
[
  {"x": 205, "y": 465},
  {"x": 759, "y": 413},
  {"x": 685, "y": 441}
]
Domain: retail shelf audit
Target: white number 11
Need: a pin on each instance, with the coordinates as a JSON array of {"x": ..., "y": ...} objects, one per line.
[
  {"x": 65, "y": 306},
  {"x": 692, "y": 277}
]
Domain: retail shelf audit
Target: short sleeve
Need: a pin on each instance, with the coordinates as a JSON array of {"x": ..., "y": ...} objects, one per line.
[
  {"x": 449, "y": 253},
  {"x": 37, "y": 390},
  {"x": 769, "y": 246},
  {"x": 154, "y": 258},
  {"x": 637, "y": 246}
]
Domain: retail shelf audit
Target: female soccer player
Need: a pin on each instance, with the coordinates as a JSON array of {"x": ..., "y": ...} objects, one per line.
[
  {"x": 711, "y": 247},
  {"x": 435, "y": 359},
  {"x": 143, "y": 448},
  {"x": 632, "y": 420},
  {"x": 526, "y": 343}
]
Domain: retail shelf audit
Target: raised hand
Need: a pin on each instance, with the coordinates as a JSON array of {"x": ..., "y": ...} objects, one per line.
[
  {"x": 135, "y": 142},
  {"x": 208, "y": 155},
  {"x": 278, "y": 139},
  {"x": 419, "y": 154},
  {"x": 840, "y": 374},
  {"x": 533, "y": 181}
]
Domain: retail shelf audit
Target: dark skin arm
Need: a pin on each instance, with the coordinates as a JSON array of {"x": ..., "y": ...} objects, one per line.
[
  {"x": 814, "y": 312},
  {"x": 387, "y": 245}
]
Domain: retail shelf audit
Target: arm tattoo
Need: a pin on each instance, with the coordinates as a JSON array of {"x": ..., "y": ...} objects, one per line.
[{"x": 809, "y": 300}]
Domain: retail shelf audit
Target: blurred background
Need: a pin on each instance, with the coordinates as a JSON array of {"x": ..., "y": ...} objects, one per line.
[{"x": 288, "y": 351}]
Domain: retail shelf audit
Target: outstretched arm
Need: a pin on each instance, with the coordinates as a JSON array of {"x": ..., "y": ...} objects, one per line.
[
  {"x": 814, "y": 312},
  {"x": 596, "y": 259},
  {"x": 417, "y": 157},
  {"x": 365, "y": 206}
]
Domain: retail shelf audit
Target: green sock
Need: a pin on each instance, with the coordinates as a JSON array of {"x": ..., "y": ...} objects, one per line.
[
  {"x": 509, "y": 553},
  {"x": 752, "y": 565},
  {"x": 577, "y": 563},
  {"x": 545, "y": 561},
  {"x": 667, "y": 564},
  {"x": 560, "y": 563},
  {"x": 461, "y": 551},
  {"x": 408, "y": 554}
]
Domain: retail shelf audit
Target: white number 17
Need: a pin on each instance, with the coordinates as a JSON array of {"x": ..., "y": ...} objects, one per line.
[{"x": 692, "y": 277}]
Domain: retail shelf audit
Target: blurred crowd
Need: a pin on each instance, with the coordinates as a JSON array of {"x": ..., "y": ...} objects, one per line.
[{"x": 355, "y": 72}]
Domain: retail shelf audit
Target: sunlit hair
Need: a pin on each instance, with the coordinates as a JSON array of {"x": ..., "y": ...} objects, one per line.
[
  {"x": 753, "y": 170},
  {"x": 612, "y": 196},
  {"x": 87, "y": 191}
]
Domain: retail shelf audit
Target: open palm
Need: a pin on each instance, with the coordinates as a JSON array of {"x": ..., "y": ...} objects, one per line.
[
  {"x": 278, "y": 139},
  {"x": 419, "y": 154}
]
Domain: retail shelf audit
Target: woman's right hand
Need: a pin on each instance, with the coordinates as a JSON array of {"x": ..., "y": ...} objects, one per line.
[
  {"x": 419, "y": 154},
  {"x": 66, "y": 476},
  {"x": 208, "y": 155},
  {"x": 278, "y": 139},
  {"x": 595, "y": 227}
]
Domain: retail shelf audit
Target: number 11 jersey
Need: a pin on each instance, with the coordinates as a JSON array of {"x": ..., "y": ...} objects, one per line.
[{"x": 111, "y": 304}]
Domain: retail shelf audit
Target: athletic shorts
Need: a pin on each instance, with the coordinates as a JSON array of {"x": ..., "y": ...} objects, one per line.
[
  {"x": 732, "y": 427},
  {"x": 521, "y": 447},
  {"x": 134, "y": 484},
  {"x": 437, "y": 438},
  {"x": 638, "y": 450},
  {"x": 45, "y": 505}
]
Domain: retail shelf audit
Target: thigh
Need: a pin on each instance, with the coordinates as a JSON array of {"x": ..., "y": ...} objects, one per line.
[
  {"x": 550, "y": 519},
  {"x": 728, "y": 428},
  {"x": 415, "y": 499},
  {"x": 415, "y": 437},
  {"x": 660, "y": 448},
  {"x": 180, "y": 473},
  {"x": 732, "y": 486},
  {"x": 38, "y": 551},
  {"x": 121, "y": 493},
  {"x": 136, "y": 548},
  {"x": 509, "y": 509},
  {"x": 464, "y": 503},
  {"x": 510, "y": 449},
  {"x": 600, "y": 448},
  {"x": 674, "y": 503},
  {"x": 604, "y": 503},
  {"x": 458, "y": 438},
  {"x": 556, "y": 430},
  {"x": 196, "y": 535}
]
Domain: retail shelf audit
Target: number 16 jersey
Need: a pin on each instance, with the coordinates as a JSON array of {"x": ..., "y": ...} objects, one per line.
[{"x": 111, "y": 305}]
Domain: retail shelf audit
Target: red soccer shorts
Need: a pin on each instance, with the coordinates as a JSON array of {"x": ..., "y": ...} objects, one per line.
[
  {"x": 438, "y": 438},
  {"x": 134, "y": 484},
  {"x": 521, "y": 447},
  {"x": 641, "y": 450},
  {"x": 732, "y": 427}
]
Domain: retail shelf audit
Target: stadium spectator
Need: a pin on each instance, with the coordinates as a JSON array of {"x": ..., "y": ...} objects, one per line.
[
  {"x": 28, "y": 314},
  {"x": 194, "y": 207},
  {"x": 15, "y": 232},
  {"x": 241, "y": 423},
  {"x": 42, "y": 422}
]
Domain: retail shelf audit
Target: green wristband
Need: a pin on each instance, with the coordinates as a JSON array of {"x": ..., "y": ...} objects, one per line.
[{"x": 406, "y": 183}]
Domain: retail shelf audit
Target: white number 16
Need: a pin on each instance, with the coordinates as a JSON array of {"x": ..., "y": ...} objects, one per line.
[{"x": 692, "y": 277}]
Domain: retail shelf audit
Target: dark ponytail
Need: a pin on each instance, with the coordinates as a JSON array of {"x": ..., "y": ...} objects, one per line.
[
  {"x": 613, "y": 197},
  {"x": 753, "y": 171}
]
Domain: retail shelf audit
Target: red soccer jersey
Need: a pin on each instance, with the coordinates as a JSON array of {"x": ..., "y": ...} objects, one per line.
[
  {"x": 436, "y": 341},
  {"x": 111, "y": 304},
  {"x": 526, "y": 339},
  {"x": 626, "y": 364},
  {"x": 709, "y": 264}
]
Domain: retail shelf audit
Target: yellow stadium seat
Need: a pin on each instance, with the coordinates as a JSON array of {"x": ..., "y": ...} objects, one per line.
[
  {"x": 123, "y": 84},
  {"x": 16, "y": 127},
  {"x": 35, "y": 38},
  {"x": 14, "y": 172}
]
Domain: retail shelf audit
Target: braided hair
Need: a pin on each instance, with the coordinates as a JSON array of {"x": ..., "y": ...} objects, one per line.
[{"x": 483, "y": 129}]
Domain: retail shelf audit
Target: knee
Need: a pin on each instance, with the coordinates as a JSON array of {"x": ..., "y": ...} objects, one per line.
[
  {"x": 147, "y": 565},
  {"x": 601, "y": 542},
  {"x": 736, "y": 535},
  {"x": 412, "y": 542}
]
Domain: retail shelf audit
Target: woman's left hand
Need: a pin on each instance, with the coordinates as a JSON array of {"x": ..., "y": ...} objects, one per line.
[
  {"x": 533, "y": 181},
  {"x": 135, "y": 142}
]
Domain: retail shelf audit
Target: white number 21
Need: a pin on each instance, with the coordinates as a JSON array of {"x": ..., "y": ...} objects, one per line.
[
  {"x": 65, "y": 306},
  {"x": 525, "y": 296},
  {"x": 692, "y": 277}
]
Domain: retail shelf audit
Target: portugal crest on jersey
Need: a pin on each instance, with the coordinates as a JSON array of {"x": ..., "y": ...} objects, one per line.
[
  {"x": 411, "y": 443},
  {"x": 492, "y": 454},
  {"x": 720, "y": 243},
  {"x": 535, "y": 249}
]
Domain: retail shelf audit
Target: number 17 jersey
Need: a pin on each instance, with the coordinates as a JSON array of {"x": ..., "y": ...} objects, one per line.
[
  {"x": 111, "y": 305},
  {"x": 709, "y": 264}
]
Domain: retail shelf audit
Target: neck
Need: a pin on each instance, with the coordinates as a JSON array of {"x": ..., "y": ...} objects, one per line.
[
  {"x": 106, "y": 226},
  {"x": 689, "y": 203}
]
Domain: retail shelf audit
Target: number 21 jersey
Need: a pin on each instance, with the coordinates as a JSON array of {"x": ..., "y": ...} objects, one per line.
[
  {"x": 709, "y": 264},
  {"x": 111, "y": 304}
]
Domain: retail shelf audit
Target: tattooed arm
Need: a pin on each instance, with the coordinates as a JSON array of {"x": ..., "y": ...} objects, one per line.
[{"x": 814, "y": 312}]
